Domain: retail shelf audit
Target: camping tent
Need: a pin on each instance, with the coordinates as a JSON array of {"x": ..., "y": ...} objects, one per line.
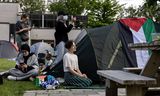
[
  {"x": 7, "y": 50},
  {"x": 107, "y": 47},
  {"x": 41, "y": 47}
]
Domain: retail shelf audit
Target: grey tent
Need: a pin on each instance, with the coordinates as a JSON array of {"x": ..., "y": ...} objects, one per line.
[
  {"x": 95, "y": 48},
  {"x": 107, "y": 47},
  {"x": 41, "y": 47},
  {"x": 7, "y": 49}
]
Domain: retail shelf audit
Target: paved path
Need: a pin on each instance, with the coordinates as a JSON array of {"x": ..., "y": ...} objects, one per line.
[{"x": 71, "y": 92}]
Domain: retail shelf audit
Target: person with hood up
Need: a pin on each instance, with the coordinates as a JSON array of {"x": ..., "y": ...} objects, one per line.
[{"x": 26, "y": 65}]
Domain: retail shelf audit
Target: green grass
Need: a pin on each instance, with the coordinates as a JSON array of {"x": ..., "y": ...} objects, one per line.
[
  {"x": 14, "y": 88},
  {"x": 6, "y": 64},
  {"x": 17, "y": 88}
]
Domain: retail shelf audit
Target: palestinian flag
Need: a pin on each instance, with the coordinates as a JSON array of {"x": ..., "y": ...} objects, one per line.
[{"x": 137, "y": 30}]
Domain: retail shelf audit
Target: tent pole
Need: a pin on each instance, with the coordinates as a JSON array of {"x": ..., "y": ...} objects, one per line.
[{"x": 114, "y": 54}]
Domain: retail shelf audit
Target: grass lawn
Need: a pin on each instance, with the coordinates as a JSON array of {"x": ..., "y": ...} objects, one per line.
[
  {"x": 14, "y": 88},
  {"x": 17, "y": 88}
]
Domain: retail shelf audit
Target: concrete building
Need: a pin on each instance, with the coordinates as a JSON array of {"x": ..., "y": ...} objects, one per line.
[
  {"x": 9, "y": 15},
  {"x": 8, "y": 18}
]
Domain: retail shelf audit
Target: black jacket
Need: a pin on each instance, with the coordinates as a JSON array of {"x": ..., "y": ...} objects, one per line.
[{"x": 61, "y": 33}]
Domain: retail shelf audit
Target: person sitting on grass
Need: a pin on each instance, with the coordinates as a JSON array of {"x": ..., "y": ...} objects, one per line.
[
  {"x": 73, "y": 75},
  {"x": 46, "y": 63},
  {"x": 27, "y": 65}
]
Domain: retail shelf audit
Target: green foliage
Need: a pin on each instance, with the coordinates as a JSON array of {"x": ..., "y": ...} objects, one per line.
[
  {"x": 73, "y": 7},
  {"x": 57, "y": 6},
  {"x": 129, "y": 12},
  {"x": 6, "y": 64},
  {"x": 151, "y": 2},
  {"x": 16, "y": 88},
  {"x": 31, "y": 5},
  {"x": 150, "y": 9},
  {"x": 99, "y": 12},
  {"x": 102, "y": 12}
]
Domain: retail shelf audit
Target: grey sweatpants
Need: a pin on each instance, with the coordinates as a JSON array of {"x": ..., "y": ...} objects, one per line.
[{"x": 22, "y": 76}]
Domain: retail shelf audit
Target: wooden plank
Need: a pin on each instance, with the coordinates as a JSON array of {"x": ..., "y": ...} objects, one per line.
[
  {"x": 154, "y": 88},
  {"x": 111, "y": 88},
  {"x": 151, "y": 68},
  {"x": 155, "y": 45},
  {"x": 135, "y": 90},
  {"x": 153, "y": 91},
  {"x": 135, "y": 70},
  {"x": 126, "y": 78}
]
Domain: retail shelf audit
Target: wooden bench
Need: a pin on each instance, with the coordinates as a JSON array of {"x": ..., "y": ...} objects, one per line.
[
  {"x": 152, "y": 67},
  {"x": 135, "y": 70},
  {"x": 135, "y": 85}
]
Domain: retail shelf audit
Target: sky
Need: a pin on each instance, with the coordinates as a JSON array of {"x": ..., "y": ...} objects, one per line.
[{"x": 134, "y": 3}]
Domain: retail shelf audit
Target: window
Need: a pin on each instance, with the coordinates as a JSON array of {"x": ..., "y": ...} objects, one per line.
[
  {"x": 48, "y": 20},
  {"x": 36, "y": 20}
]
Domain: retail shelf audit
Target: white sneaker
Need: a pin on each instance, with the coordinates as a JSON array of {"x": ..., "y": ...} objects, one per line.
[
  {"x": 11, "y": 77},
  {"x": 49, "y": 87},
  {"x": 3, "y": 73},
  {"x": 60, "y": 80}
]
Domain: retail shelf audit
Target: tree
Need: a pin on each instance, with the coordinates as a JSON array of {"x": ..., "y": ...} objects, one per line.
[
  {"x": 102, "y": 12},
  {"x": 28, "y": 6},
  {"x": 129, "y": 12},
  {"x": 149, "y": 10},
  {"x": 57, "y": 6},
  {"x": 99, "y": 12},
  {"x": 73, "y": 7},
  {"x": 151, "y": 2}
]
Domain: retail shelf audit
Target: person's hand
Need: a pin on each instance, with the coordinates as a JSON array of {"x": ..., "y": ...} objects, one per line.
[
  {"x": 52, "y": 66},
  {"x": 30, "y": 28},
  {"x": 84, "y": 75},
  {"x": 26, "y": 29},
  {"x": 21, "y": 67},
  {"x": 23, "y": 29},
  {"x": 24, "y": 65},
  {"x": 73, "y": 19}
]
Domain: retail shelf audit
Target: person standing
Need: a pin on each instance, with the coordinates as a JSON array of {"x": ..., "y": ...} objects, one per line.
[
  {"x": 61, "y": 35},
  {"x": 22, "y": 30},
  {"x": 72, "y": 74}
]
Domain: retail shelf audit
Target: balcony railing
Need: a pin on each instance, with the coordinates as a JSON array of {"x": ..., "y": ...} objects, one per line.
[
  {"x": 8, "y": 1},
  {"x": 49, "y": 20}
]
